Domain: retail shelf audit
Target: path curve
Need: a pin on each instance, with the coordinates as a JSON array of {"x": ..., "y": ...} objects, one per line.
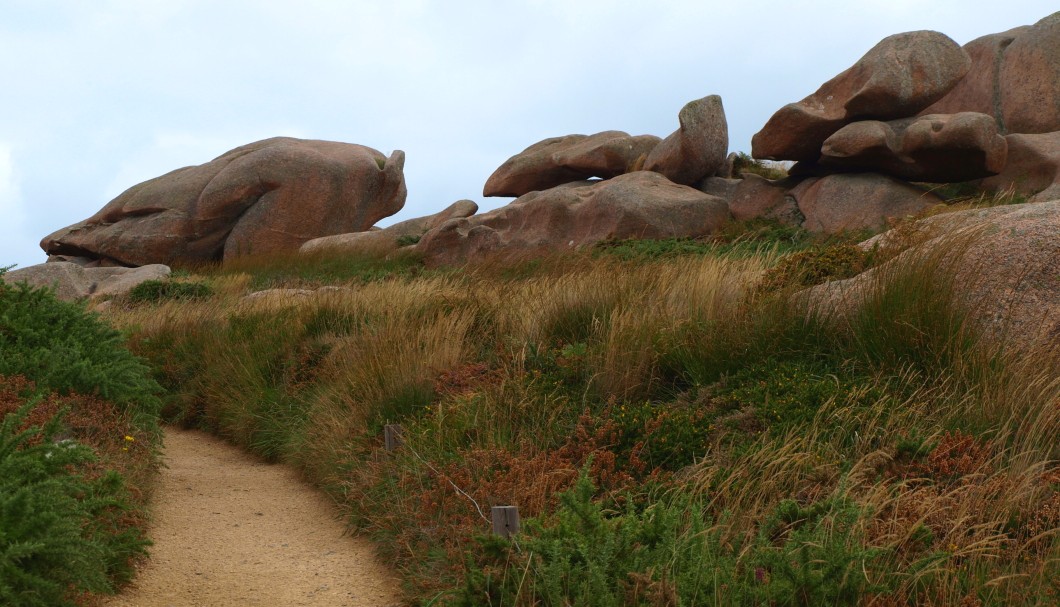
[{"x": 230, "y": 530}]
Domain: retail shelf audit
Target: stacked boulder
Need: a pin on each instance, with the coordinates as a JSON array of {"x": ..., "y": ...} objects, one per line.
[
  {"x": 577, "y": 190},
  {"x": 916, "y": 108}
]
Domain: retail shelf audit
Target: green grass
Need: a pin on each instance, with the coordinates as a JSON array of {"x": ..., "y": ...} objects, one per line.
[{"x": 318, "y": 269}]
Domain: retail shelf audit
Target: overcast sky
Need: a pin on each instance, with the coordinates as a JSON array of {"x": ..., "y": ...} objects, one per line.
[{"x": 98, "y": 95}]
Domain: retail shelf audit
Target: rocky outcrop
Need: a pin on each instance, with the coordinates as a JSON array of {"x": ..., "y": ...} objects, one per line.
[
  {"x": 1032, "y": 169},
  {"x": 560, "y": 160},
  {"x": 71, "y": 281},
  {"x": 698, "y": 148},
  {"x": 939, "y": 148},
  {"x": 265, "y": 197},
  {"x": 897, "y": 78},
  {"x": 390, "y": 238},
  {"x": 1013, "y": 78},
  {"x": 1002, "y": 261},
  {"x": 1029, "y": 79},
  {"x": 857, "y": 201},
  {"x": 757, "y": 196},
  {"x": 979, "y": 91},
  {"x": 641, "y": 204}
]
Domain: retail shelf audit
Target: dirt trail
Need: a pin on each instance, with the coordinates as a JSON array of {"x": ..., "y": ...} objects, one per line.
[{"x": 232, "y": 531}]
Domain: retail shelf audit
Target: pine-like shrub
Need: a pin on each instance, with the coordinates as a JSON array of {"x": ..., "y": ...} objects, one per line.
[
  {"x": 54, "y": 536},
  {"x": 61, "y": 346}
]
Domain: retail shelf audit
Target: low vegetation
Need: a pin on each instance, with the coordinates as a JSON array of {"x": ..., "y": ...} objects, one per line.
[
  {"x": 78, "y": 442},
  {"x": 673, "y": 426}
]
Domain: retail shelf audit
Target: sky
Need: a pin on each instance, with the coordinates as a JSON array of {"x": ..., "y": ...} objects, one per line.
[{"x": 99, "y": 95}]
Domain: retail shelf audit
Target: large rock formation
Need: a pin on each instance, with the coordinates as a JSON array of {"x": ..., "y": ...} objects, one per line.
[
  {"x": 1003, "y": 262},
  {"x": 698, "y": 148},
  {"x": 641, "y": 204},
  {"x": 385, "y": 240},
  {"x": 757, "y": 196},
  {"x": 567, "y": 159},
  {"x": 268, "y": 196},
  {"x": 857, "y": 201},
  {"x": 939, "y": 148},
  {"x": 979, "y": 91},
  {"x": 1014, "y": 78},
  {"x": 1029, "y": 79},
  {"x": 71, "y": 281},
  {"x": 897, "y": 78},
  {"x": 1032, "y": 169}
]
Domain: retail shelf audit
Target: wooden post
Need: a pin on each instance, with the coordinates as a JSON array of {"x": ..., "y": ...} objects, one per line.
[
  {"x": 505, "y": 520},
  {"x": 392, "y": 437}
]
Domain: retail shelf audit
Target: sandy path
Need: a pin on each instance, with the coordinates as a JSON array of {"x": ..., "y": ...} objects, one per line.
[{"x": 230, "y": 530}]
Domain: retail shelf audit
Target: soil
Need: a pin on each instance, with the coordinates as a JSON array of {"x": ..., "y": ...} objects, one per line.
[{"x": 231, "y": 530}]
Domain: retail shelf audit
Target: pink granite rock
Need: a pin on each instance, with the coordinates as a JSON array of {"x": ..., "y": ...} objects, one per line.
[{"x": 897, "y": 78}]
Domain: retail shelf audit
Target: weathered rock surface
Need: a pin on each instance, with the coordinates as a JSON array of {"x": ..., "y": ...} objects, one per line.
[
  {"x": 722, "y": 187},
  {"x": 979, "y": 90},
  {"x": 757, "y": 196},
  {"x": 1015, "y": 77},
  {"x": 1032, "y": 169},
  {"x": 1029, "y": 79},
  {"x": 1004, "y": 267},
  {"x": 641, "y": 204},
  {"x": 939, "y": 148},
  {"x": 268, "y": 196},
  {"x": 387, "y": 239},
  {"x": 698, "y": 148},
  {"x": 897, "y": 78},
  {"x": 570, "y": 158},
  {"x": 71, "y": 281},
  {"x": 856, "y": 201}
]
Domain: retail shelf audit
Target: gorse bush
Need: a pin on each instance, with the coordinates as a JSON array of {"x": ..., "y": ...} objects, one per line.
[
  {"x": 61, "y": 531},
  {"x": 815, "y": 266},
  {"x": 61, "y": 346},
  {"x": 667, "y": 554},
  {"x": 77, "y": 451}
]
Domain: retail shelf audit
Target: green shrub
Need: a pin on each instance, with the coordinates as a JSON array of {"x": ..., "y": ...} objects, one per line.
[
  {"x": 822, "y": 560},
  {"x": 58, "y": 345},
  {"x": 667, "y": 435},
  {"x": 666, "y": 554},
  {"x": 589, "y": 556},
  {"x": 60, "y": 531},
  {"x": 407, "y": 240},
  {"x": 815, "y": 266},
  {"x": 788, "y": 393},
  {"x": 151, "y": 291},
  {"x": 653, "y": 249}
]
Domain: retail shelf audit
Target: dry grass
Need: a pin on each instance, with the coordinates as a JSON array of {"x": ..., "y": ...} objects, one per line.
[{"x": 504, "y": 378}]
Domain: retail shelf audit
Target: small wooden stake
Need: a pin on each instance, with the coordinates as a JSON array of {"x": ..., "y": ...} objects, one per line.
[
  {"x": 392, "y": 437},
  {"x": 505, "y": 520}
]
